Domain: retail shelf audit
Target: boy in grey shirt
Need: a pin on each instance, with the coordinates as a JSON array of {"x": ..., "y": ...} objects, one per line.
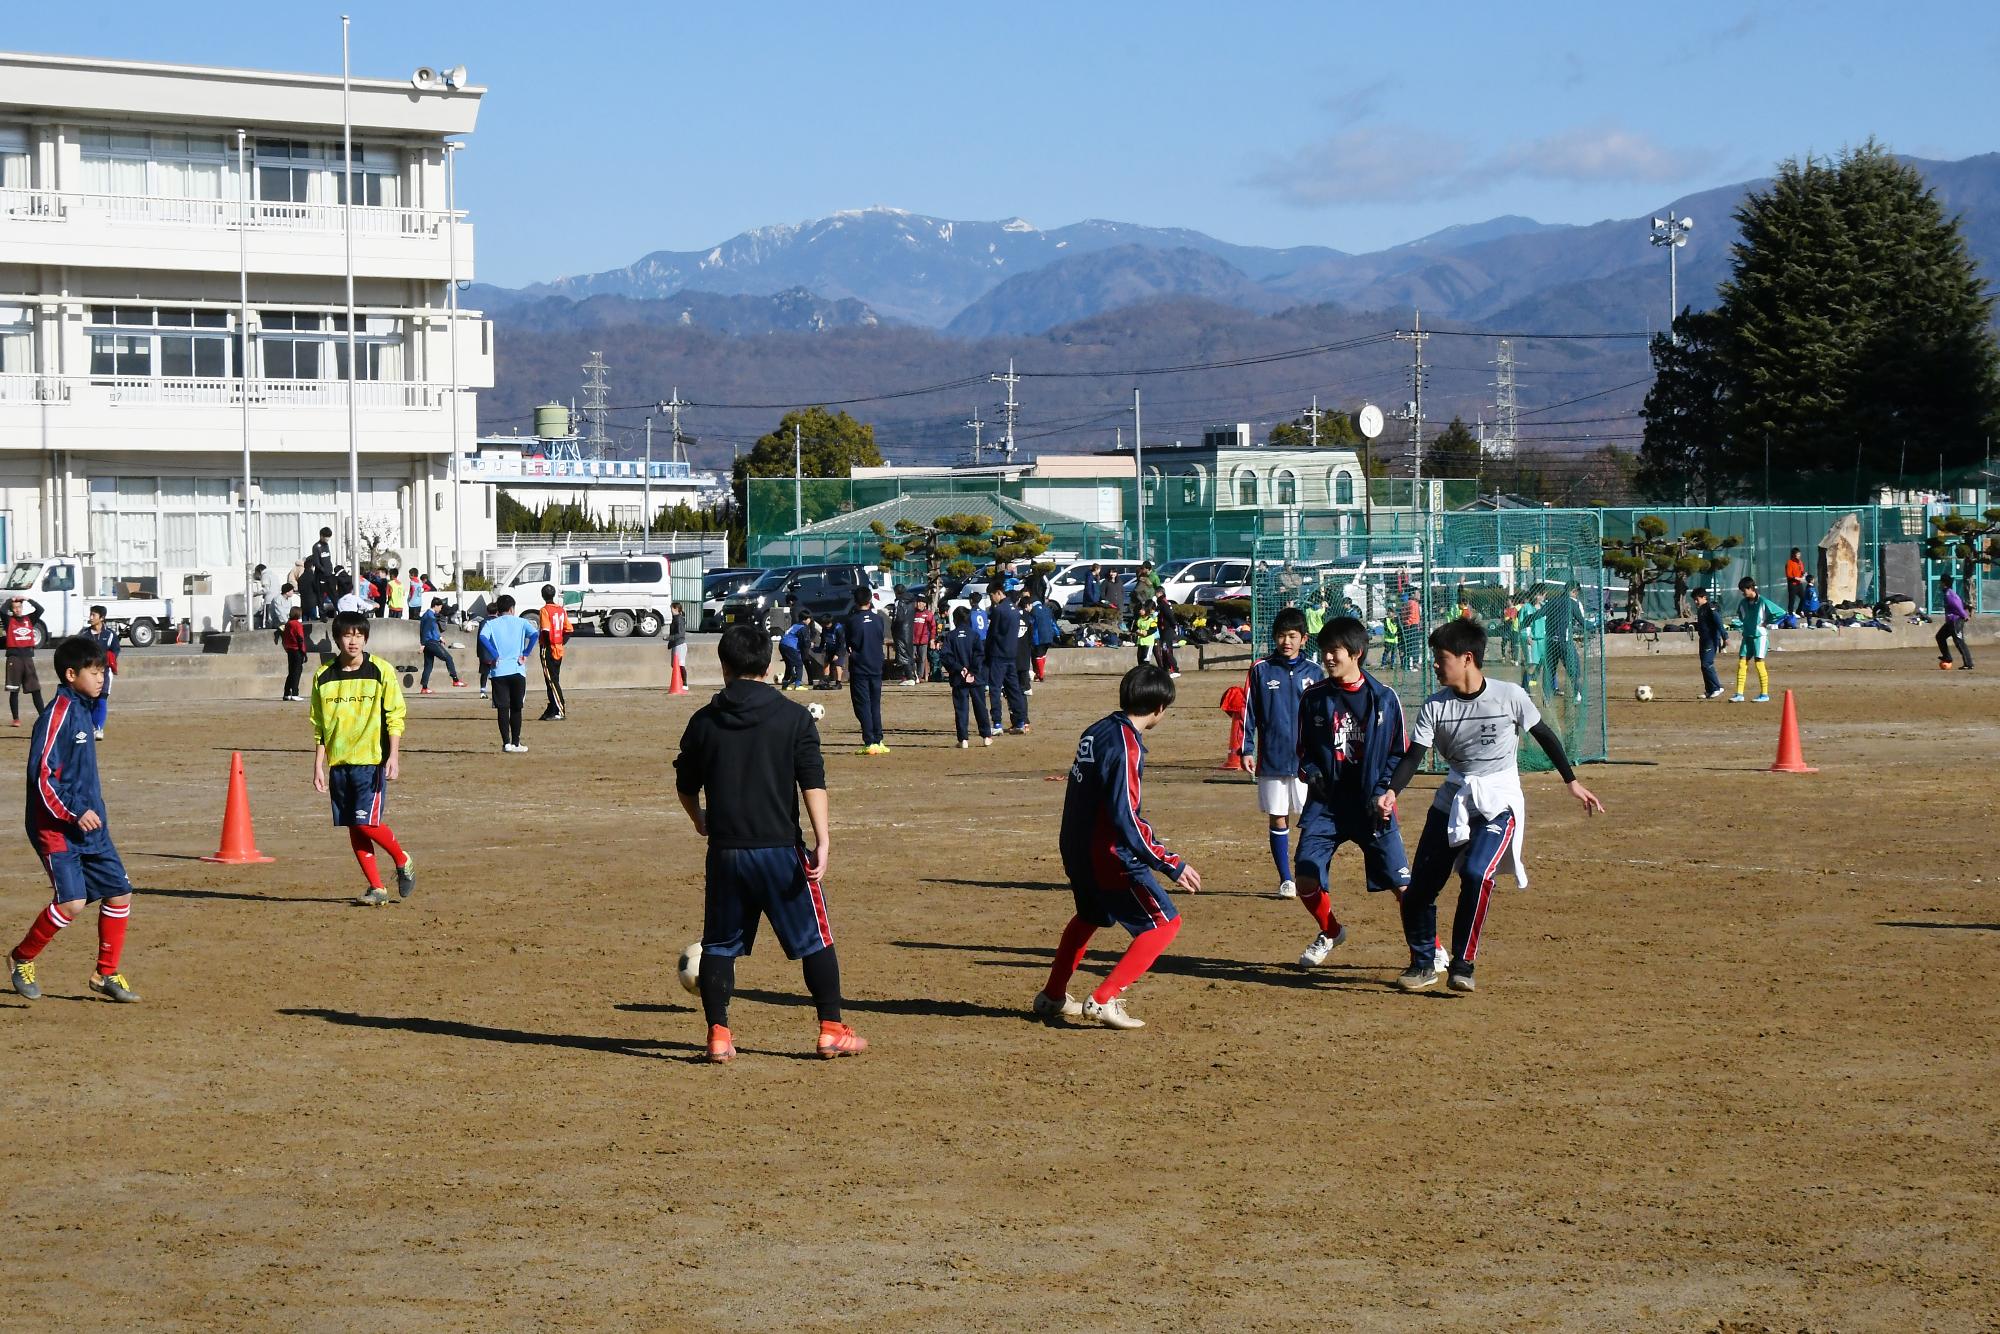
[{"x": 1475, "y": 821}]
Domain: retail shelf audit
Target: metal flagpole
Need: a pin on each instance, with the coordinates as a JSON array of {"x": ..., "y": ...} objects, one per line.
[
  {"x": 347, "y": 226},
  {"x": 457, "y": 499},
  {"x": 243, "y": 350}
]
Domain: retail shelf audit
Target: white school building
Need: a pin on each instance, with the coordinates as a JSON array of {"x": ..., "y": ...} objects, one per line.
[{"x": 126, "y": 366}]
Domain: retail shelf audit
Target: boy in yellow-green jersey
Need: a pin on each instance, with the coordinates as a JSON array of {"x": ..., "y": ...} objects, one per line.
[{"x": 357, "y": 717}]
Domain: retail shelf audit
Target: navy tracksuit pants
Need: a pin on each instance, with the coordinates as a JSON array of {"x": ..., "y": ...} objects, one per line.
[{"x": 866, "y": 694}]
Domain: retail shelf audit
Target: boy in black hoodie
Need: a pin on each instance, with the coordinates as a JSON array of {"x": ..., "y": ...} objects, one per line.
[{"x": 753, "y": 751}]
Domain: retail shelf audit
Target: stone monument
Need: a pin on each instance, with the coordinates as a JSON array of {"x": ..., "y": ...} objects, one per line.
[{"x": 1840, "y": 561}]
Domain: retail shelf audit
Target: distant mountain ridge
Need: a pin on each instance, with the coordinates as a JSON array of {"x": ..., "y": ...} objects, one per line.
[{"x": 1009, "y": 276}]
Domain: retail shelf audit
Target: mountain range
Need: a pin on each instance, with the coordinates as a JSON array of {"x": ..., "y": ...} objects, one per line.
[{"x": 877, "y": 299}]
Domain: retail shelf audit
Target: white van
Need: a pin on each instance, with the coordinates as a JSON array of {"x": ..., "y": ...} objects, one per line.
[
  {"x": 614, "y": 593},
  {"x": 1066, "y": 584}
]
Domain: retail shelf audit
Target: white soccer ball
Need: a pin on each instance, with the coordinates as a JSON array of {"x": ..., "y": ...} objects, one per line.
[
  {"x": 817, "y": 710},
  {"x": 691, "y": 968},
  {"x": 1643, "y": 694}
]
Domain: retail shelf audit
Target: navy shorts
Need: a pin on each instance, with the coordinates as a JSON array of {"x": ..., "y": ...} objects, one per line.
[
  {"x": 358, "y": 792},
  {"x": 1323, "y": 830},
  {"x": 1137, "y": 903},
  {"x": 746, "y": 883},
  {"x": 89, "y": 876}
]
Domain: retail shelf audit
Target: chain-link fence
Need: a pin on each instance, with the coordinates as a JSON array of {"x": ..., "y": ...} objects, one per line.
[{"x": 1531, "y": 577}]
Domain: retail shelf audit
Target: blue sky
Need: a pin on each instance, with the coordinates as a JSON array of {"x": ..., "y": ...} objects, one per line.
[{"x": 617, "y": 128}]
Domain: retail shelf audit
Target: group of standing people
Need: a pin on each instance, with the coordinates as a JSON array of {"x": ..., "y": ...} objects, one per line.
[{"x": 321, "y": 588}]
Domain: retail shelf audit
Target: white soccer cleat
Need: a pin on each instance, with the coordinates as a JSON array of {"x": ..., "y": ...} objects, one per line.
[
  {"x": 1111, "y": 1014},
  {"x": 1048, "y": 1008},
  {"x": 1322, "y": 945},
  {"x": 1288, "y": 889}
]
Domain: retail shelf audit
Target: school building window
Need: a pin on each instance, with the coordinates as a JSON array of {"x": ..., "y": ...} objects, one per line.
[{"x": 144, "y": 527}]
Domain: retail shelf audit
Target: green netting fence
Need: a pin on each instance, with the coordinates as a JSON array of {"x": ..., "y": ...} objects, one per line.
[{"x": 1541, "y": 564}]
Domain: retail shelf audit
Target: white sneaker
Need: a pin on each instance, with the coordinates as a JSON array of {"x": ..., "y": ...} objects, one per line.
[
  {"x": 1111, "y": 1014},
  {"x": 1288, "y": 890},
  {"x": 98, "y": 733},
  {"x": 1322, "y": 945},
  {"x": 965, "y": 745},
  {"x": 1440, "y": 959},
  {"x": 1048, "y": 1007}
]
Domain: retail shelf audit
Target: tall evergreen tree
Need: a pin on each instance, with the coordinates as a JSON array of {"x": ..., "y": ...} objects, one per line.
[{"x": 1682, "y": 460}]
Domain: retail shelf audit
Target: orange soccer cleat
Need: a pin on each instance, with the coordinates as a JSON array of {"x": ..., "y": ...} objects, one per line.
[
  {"x": 839, "y": 1040},
  {"x": 721, "y": 1047}
]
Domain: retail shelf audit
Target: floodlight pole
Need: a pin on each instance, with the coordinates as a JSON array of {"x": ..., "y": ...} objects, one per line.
[
  {"x": 1139, "y": 472},
  {"x": 1671, "y": 232}
]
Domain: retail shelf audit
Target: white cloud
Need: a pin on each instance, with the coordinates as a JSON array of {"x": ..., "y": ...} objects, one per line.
[
  {"x": 1360, "y": 102},
  {"x": 1401, "y": 164}
]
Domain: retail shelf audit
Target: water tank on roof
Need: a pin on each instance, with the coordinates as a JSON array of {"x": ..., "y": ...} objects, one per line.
[{"x": 552, "y": 421}]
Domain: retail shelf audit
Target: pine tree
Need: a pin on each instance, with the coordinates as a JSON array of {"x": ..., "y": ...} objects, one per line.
[{"x": 1682, "y": 459}]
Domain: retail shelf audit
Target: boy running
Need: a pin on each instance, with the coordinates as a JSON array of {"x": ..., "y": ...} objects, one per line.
[
  {"x": 1475, "y": 819},
  {"x": 1271, "y": 734},
  {"x": 106, "y": 636},
  {"x": 1350, "y": 740},
  {"x": 1754, "y": 617},
  {"x": 1110, "y": 854},
  {"x": 753, "y": 753},
  {"x": 431, "y": 635},
  {"x": 70, "y": 828},
  {"x": 357, "y": 715},
  {"x": 1953, "y": 629}
]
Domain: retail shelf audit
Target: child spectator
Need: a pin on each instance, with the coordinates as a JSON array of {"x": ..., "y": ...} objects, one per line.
[
  {"x": 1109, "y": 853},
  {"x": 1164, "y": 654},
  {"x": 1146, "y": 631},
  {"x": 1953, "y": 629},
  {"x": 962, "y": 658},
  {"x": 431, "y": 635},
  {"x": 1795, "y": 583},
  {"x": 1271, "y": 734},
  {"x": 677, "y": 645},
  {"x": 70, "y": 830},
  {"x": 1711, "y": 638},
  {"x": 794, "y": 656},
  {"x": 396, "y": 593},
  {"x": 296, "y": 645},
  {"x": 923, "y": 633},
  {"x": 1044, "y": 632},
  {"x": 106, "y": 636},
  {"x": 1475, "y": 820},
  {"x": 23, "y": 632},
  {"x": 901, "y": 616},
  {"x": 753, "y": 755},
  {"x": 508, "y": 640},
  {"x": 1754, "y": 617},
  {"x": 357, "y": 717},
  {"x": 1809, "y": 602}
]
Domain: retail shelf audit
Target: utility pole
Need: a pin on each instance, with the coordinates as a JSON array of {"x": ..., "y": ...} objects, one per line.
[
  {"x": 974, "y": 425},
  {"x": 673, "y": 407},
  {"x": 1138, "y": 469},
  {"x": 243, "y": 351},
  {"x": 798, "y": 481},
  {"x": 646, "y": 484},
  {"x": 1313, "y": 416},
  {"x": 593, "y": 402},
  {"x": 1008, "y": 409},
  {"x": 1416, "y": 337}
]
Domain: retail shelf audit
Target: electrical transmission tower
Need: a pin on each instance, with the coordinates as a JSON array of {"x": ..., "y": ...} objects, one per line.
[
  {"x": 1008, "y": 411},
  {"x": 594, "y": 409},
  {"x": 974, "y": 425},
  {"x": 1506, "y": 405},
  {"x": 1415, "y": 412}
]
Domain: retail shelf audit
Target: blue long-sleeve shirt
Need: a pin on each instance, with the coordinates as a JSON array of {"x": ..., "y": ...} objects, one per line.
[
  {"x": 62, "y": 779},
  {"x": 1105, "y": 841},
  {"x": 960, "y": 652},
  {"x": 1271, "y": 712},
  {"x": 427, "y": 628},
  {"x": 1044, "y": 625},
  {"x": 1003, "y": 627},
  {"x": 507, "y": 640},
  {"x": 863, "y": 631}
]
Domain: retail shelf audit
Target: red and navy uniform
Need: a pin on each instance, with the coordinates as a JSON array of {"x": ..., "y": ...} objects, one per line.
[
  {"x": 62, "y": 786},
  {"x": 1108, "y": 850},
  {"x": 1350, "y": 740}
]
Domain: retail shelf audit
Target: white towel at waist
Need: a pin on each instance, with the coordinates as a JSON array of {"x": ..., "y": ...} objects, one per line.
[{"x": 1488, "y": 795}]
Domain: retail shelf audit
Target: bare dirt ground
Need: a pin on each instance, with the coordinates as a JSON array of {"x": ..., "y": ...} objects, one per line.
[{"x": 1731, "y": 1064}]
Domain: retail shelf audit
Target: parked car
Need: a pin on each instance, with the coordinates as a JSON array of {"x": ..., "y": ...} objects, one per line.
[
  {"x": 614, "y": 594},
  {"x": 821, "y": 590},
  {"x": 717, "y": 587},
  {"x": 1179, "y": 578},
  {"x": 1066, "y": 584}
]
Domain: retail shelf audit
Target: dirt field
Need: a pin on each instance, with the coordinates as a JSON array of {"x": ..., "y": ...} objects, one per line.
[{"x": 1731, "y": 1064}]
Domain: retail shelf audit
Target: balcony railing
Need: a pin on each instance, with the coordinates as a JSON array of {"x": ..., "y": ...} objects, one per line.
[
  {"x": 163, "y": 391},
  {"x": 257, "y": 214}
]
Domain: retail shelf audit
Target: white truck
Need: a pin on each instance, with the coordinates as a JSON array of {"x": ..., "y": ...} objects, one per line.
[
  {"x": 617, "y": 594},
  {"x": 64, "y": 587}
]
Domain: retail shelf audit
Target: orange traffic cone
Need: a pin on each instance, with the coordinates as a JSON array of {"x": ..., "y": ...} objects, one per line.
[
  {"x": 239, "y": 844},
  {"x": 676, "y": 678},
  {"x": 1791, "y": 755},
  {"x": 1234, "y": 702}
]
